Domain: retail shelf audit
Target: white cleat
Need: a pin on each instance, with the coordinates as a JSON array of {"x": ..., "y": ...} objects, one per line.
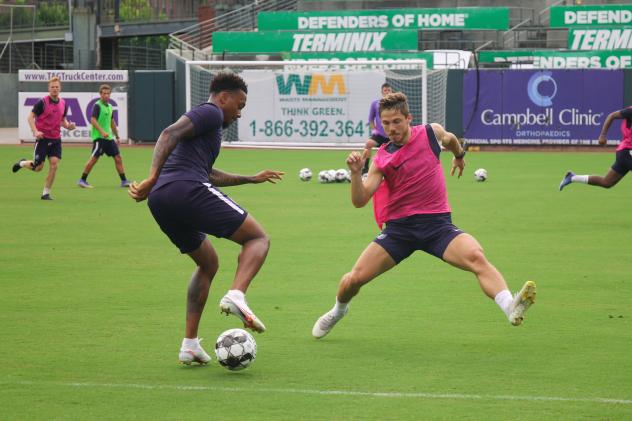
[
  {"x": 194, "y": 355},
  {"x": 325, "y": 323},
  {"x": 521, "y": 303},
  {"x": 240, "y": 309}
]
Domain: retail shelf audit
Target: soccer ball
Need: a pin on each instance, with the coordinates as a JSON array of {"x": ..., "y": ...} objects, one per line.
[
  {"x": 327, "y": 176},
  {"x": 480, "y": 174},
  {"x": 341, "y": 175},
  {"x": 305, "y": 174},
  {"x": 236, "y": 349}
]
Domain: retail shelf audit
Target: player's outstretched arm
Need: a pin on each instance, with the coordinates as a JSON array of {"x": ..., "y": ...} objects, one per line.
[
  {"x": 166, "y": 143},
  {"x": 606, "y": 126},
  {"x": 221, "y": 178},
  {"x": 450, "y": 142}
]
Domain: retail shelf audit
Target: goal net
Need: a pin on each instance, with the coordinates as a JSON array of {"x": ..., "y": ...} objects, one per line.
[{"x": 318, "y": 103}]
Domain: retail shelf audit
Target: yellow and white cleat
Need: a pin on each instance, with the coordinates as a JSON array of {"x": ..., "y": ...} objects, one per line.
[{"x": 521, "y": 303}]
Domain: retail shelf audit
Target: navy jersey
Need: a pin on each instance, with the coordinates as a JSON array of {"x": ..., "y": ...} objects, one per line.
[
  {"x": 192, "y": 159},
  {"x": 626, "y": 113}
]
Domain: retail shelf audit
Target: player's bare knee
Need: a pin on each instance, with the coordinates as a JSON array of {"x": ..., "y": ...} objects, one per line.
[
  {"x": 209, "y": 267},
  {"x": 355, "y": 278},
  {"x": 476, "y": 259},
  {"x": 39, "y": 167},
  {"x": 264, "y": 240}
]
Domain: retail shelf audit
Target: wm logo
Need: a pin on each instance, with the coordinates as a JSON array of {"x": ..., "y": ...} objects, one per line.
[{"x": 311, "y": 84}]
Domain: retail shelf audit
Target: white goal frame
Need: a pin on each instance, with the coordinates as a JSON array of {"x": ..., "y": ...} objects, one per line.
[{"x": 316, "y": 65}]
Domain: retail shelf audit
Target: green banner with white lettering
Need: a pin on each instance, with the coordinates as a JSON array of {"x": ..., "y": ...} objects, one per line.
[
  {"x": 311, "y": 42},
  {"x": 611, "y": 15},
  {"x": 551, "y": 59},
  {"x": 600, "y": 39},
  {"x": 349, "y": 58},
  {"x": 496, "y": 18}
]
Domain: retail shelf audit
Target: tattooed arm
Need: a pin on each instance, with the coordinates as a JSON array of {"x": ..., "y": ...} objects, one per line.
[
  {"x": 220, "y": 178},
  {"x": 167, "y": 141}
]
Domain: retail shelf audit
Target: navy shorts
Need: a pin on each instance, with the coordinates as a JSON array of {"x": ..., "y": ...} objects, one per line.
[
  {"x": 379, "y": 139},
  {"x": 623, "y": 162},
  {"x": 428, "y": 232},
  {"x": 188, "y": 210},
  {"x": 46, "y": 148},
  {"x": 104, "y": 146}
]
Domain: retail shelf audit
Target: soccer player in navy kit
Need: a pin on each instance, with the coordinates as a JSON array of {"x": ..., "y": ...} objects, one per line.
[{"x": 184, "y": 199}]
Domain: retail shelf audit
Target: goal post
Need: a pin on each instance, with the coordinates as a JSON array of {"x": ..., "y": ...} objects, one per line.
[{"x": 318, "y": 102}]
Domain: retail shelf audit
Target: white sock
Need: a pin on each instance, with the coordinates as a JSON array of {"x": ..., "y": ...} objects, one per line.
[
  {"x": 24, "y": 164},
  {"x": 504, "y": 300},
  {"x": 46, "y": 191},
  {"x": 340, "y": 308},
  {"x": 188, "y": 343},
  {"x": 236, "y": 294},
  {"x": 580, "y": 179}
]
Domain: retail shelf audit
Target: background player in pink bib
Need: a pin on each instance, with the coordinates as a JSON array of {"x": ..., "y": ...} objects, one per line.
[
  {"x": 48, "y": 114},
  {"x": 409, "y": 193},
  {"x": 623, "y": 159}
]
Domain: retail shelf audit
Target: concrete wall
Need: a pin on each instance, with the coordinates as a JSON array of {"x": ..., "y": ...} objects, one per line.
[{"x": 9, "y": 95}]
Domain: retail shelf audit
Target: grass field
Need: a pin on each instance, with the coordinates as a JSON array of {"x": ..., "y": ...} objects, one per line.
[{"x": 92, "y": 300}]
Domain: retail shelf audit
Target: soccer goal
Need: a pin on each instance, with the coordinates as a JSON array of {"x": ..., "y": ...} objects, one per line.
[{"x": 318, "y": 102}]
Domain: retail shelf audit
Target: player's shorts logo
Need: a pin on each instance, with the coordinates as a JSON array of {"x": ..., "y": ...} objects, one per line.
[{"x": 534, "y": 91}]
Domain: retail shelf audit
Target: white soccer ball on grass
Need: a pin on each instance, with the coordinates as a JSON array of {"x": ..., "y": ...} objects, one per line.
[
  {"x": 341, "y": 175},
  {"x": 305, "y": 174},
  {"x": 235, "y": 349},
  {"x": 480, "y": 174}
]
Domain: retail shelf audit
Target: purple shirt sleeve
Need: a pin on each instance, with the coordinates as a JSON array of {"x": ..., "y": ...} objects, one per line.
[
  {"x": 372, "y": 112},
  {"x": 38, "y": 108},
  {"x": 206, "y": 118},
  {"x": 96, "y": 110}
]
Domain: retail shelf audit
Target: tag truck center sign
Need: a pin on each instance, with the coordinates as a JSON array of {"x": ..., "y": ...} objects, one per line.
[{"x": 79, "y": 112}]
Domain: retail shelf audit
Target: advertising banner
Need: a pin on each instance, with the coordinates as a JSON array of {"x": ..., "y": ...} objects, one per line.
[
  {"x": 349, "y": 58},
  {"x": 308, "y": 107},
  {"x": 551, "y": 59},
  {"x": 311, "y": 42},
  {"x": 526, "y": 107},
  {"x": 79, "y": 112},
  {"x": 592, "y": 15},
  {"x": 600, "y": 39},
  {"x": 104, "y": 76},
  {"x": 461, "y": 18}
]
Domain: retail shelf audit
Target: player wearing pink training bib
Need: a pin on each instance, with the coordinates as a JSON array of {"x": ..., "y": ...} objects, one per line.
[
  {"x": 623, "y": 158},
  {"x": 408, "y": 188},
  {"x": 48, "y": 114}
]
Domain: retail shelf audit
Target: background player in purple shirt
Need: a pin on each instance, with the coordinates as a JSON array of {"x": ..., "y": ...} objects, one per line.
[
  {"x": 184, "y": 199},
  {"x": 378, "y": 137}
]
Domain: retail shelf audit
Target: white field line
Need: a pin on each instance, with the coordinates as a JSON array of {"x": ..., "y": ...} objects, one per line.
[{"x": 409, "y": 395}]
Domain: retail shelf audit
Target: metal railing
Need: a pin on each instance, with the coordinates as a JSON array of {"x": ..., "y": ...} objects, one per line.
[
  {"x": 198, "y": 37},
  {"x": 147, "y": 10}
]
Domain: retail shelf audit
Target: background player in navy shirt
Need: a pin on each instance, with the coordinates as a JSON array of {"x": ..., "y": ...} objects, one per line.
[{"x": 184, "y": 199}]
